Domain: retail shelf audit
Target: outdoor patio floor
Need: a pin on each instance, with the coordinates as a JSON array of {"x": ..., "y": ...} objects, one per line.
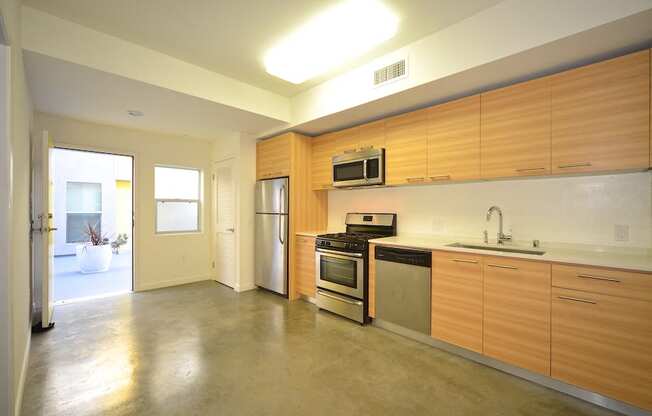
[{"x": 70, "y": 283}]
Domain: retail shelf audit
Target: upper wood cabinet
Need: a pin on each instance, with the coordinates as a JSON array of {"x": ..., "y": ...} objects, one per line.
[
  {"x": 372, "y": 135},
  {"x": 305, "y": 266},
  {"x": 457, "y": 299},
  {"x": 324, "y": 148},
  {"x": 515, "y": 136},
  {"x": 454, "y": 140},
  {"x": 517, "y": 312},
  {"x": 601, "y": 116},
  {"x": 603, "y": 343},
  {"x": 406, "y": 143},
  {"x": 346, "y": 140},
  {"x": 273, "y": 157}
]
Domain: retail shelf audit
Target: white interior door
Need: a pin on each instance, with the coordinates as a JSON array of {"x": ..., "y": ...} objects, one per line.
[
  {"x": 42, "y": 224},
  {"x": 224, "y": 226}
]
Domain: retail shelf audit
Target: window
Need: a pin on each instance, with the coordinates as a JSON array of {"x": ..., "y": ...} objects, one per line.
[
  {"x": 177, "y": 199},
  {"x": 83, "y": 207}
]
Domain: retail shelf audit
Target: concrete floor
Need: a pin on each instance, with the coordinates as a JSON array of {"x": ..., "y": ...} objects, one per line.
[{"x": 201, "y": 349}]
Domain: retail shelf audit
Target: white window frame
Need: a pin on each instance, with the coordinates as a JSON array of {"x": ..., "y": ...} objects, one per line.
[
  {"x": 80, "y": 212},
  {"x": 164, "y": 200}
]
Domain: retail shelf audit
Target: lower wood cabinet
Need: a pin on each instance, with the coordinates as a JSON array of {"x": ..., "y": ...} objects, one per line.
[
  {"x": 305, "y": 265},
  {"x": 603, "y": 343},
  {"x": 457, "y": 299},
  {"x": 517, "y": 312}
]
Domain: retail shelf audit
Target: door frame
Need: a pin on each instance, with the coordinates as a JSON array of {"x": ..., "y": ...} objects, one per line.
[
  {"x": 135, "y": 234},
  {"x": 236, "y": 215},
  {"x": 6, "y": 335}
]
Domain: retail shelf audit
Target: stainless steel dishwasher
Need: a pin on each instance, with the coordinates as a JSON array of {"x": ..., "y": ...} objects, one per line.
[{"x": 403, "y": 287}]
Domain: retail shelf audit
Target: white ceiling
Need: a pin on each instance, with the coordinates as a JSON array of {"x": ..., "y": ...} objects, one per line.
[
  {"x": 72, "y": 90},
  {"x": 231, "y": 37}
]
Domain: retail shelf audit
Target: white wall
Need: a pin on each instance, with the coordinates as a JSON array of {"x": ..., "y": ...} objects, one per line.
[
  {"x": 580, "y": 210},
  {"x": 72, "y": 166},
  {"x": 160, "y": 260},
  {"x": 243, "y": 149}
]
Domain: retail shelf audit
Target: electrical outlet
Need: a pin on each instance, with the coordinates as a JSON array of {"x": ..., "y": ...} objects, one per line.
[{"x": 621, "y": 232}]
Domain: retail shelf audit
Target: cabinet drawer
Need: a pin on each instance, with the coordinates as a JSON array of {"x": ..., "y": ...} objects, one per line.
[
  {"x": 604, "y": 344},
  {"x": 601, "y": 280}
]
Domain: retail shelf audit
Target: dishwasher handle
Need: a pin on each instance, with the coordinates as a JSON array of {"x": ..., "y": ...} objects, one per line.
[{"x": 404, "y": 256}]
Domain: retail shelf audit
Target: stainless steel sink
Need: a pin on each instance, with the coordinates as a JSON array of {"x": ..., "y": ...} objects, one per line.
[{"x": 496, "y": 248}]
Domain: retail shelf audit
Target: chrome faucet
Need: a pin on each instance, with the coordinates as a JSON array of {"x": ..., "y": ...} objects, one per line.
[{"x": 501, "y": 237}]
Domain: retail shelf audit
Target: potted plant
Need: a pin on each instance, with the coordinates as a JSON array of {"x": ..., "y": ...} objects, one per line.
[
  {"x": 120, "y": 241},
  {"x": 94, "y": 256}
]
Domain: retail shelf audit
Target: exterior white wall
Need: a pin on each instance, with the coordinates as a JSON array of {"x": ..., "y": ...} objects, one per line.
[
  {"x": 74, "y": 166},
  {"x": 578, "y": 210}
]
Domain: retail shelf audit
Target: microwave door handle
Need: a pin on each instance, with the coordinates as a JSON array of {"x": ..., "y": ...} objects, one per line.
[{"x": 364, "y": 169}]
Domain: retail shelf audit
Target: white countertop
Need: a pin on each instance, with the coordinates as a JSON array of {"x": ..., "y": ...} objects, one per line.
[
  {"x": 638, "y": 259},
  {"x": 309, "y": 233}
]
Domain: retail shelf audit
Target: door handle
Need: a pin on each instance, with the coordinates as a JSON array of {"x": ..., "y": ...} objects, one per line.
[{"x": 230, "y": 229}]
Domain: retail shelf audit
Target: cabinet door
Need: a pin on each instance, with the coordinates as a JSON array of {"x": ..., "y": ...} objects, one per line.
[
  {"x": 601, "y": 116},
  {"x": 346, "y": 140},
  {"x": 603, "y": 343},
  {"x": 454, "y": 140},
  {"x": 323, "y": 150},
  {"x": 273, "y": 157},
  {"x": 517, "y": 312},
  {"x": 515, "y": 130},
  {"x": 305, "y": 266},
  {"x": 457, "y": 299},
  {"x": 372, "y": 135},
  {"x": 406, "y": 143}
]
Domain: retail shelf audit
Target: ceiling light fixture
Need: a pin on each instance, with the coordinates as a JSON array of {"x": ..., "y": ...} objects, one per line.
[
  {"x": 331, "y": 38},
  {"x": 135, "y": 113}
]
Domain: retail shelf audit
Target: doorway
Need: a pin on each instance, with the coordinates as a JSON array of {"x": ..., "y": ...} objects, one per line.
[
  {"x": 224, "y": 189},
  {"x": 93, "y": 218}
]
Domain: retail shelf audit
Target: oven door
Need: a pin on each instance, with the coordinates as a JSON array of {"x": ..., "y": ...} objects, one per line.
[
  {"x": 350, "y": 171},
  {"x": 340, "y": 272}
]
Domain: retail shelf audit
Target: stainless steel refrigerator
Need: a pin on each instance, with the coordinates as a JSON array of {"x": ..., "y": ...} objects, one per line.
[{"x": 272, "y": 244}]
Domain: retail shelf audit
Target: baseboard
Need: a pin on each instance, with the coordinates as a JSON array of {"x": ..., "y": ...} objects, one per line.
[
  {"x": 173, "y": 282},
  {"x": 244, "y": 288},
  {"x": 18, "y": 400}
]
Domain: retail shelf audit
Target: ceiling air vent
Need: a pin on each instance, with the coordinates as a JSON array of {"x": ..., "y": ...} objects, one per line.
[{"x": 391, "y": 72}]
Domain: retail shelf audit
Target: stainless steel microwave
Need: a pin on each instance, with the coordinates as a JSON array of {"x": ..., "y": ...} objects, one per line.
[{"x": 361, "y": 168}]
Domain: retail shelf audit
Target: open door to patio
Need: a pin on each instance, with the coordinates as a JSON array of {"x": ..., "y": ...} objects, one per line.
[{"x": 93, "y": 216}]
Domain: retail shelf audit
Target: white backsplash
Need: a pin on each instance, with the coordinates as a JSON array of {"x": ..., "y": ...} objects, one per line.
[{"x": 578, "y": 210}]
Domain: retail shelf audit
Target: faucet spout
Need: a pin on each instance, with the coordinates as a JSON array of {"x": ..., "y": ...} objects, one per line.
[{"x": 501, "y": 236}]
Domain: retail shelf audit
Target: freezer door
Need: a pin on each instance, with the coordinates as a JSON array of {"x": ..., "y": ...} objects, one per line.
[
  {"x": 272, "y": 196},
  {"x": 272, "y": 252}
]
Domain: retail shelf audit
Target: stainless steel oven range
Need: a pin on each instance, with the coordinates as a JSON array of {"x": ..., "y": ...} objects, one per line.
[{"x": 342, "y": 263}]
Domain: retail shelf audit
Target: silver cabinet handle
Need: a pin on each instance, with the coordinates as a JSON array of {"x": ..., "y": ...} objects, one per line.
[
  {"x": 606, "y": 279},
  {"x": 364, "y": 169},
  {"x": 440, "y": 177},
  {"x": 575, "y": 165},
  {"x": 230, "y": 229},
  {"x": 465, "y": 261},
  {"x": 350, "y": 302},
  {"x": 529, "y": 169},
  {"x": 500, "y": 266},
  {"x": 421, "y": 179},
  {"x": 577, "y": 300}
]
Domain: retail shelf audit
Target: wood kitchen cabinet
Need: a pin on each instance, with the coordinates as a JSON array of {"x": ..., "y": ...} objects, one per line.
[
  {"x": 305, "y": 265},
  {"x": 372, "y": 280},
  {"x": 324, "y": 148},
  {"x": 372, "y": 135},
  {"x": 454, "y": 140},
  {"x": 406, "y": 144},
  {"x": 601, "y": 116},
  {"x": 273, "y": 157},
  {"x": 346, "y": 140},
  {"x": 515, "y": 130},
  {"x": 457, "y": 299},
  {"x": 603, "y": 343},
  {"x": 517, "y": 312}
]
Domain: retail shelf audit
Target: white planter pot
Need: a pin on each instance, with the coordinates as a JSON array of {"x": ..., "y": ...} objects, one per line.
[{"x": 94, "y": 259}]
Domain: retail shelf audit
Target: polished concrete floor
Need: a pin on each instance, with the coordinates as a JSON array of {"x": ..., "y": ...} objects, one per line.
[{"x": 201, "y": 349}]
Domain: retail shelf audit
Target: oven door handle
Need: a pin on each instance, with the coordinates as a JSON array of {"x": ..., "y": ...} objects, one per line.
[
  {"x": 339, "y": 253},
  {"x": 350, "y": 302}
]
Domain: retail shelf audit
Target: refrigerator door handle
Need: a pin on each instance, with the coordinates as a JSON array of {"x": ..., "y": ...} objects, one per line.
[
  {"x": 280, "y": 229},
  {"x": 281, "y": 199}
]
